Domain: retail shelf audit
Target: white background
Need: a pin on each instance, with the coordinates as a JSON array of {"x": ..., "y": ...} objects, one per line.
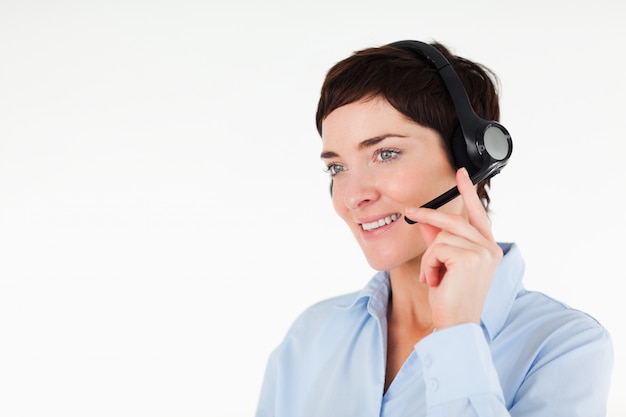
[{"x": 163, "y": 211}]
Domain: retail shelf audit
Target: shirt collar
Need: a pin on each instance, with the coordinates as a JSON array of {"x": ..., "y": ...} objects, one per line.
[
  {"x": 375, "y": 294},
  {"x": 503, "y": 290}
]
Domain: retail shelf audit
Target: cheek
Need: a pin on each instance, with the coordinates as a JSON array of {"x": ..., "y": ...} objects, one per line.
[
  {"x": 401, "y": 188},
  {"x": 407, "y": 186},
  {"x": 337, "y": 199},
  {"x": 418, "y": 186}
]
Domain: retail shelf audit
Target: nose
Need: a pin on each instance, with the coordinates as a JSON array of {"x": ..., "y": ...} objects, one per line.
[{"x": 358, "y": 191}]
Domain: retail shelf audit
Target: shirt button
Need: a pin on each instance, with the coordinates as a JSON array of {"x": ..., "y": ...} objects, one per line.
[{"x": 433, "y": 385}]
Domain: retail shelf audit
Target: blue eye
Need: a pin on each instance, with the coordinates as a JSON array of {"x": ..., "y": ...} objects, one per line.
[
  {"x": 335, "y": 169},
  {"x": 387, "y": 154}
]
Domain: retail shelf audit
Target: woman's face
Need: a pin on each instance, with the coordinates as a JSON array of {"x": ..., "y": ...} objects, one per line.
[{"x": 381, "y": 163}]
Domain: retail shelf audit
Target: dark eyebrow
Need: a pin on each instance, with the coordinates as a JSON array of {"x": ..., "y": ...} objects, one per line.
[{"x": 365, "y": 144}]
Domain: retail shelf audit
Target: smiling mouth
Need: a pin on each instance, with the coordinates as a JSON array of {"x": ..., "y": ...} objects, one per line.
[{"x": 381, "y": 222}]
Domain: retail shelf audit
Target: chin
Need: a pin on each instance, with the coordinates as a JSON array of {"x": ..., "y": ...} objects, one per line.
[
  {"x": 383, "y": 263},
  {"x": 391, "y": 256}
]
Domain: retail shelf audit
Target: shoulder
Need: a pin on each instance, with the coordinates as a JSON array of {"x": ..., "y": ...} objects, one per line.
[
  {"x": 552, "y": 323},
  {"x": 323, "y": 327},
  {"x": 332, "y": 315},
  {"x": 539, "y": 306},
  {"x": 533, "y": 312},
  {"x": 319, "y": 315}
]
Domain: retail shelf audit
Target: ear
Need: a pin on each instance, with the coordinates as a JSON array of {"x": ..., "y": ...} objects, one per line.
[{"x": 460, "y": 153}]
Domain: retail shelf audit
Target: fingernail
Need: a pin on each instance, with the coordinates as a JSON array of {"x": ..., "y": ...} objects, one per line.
[
  {"x": 465, "y": 172},
  {"x": 409, "y": 211}
]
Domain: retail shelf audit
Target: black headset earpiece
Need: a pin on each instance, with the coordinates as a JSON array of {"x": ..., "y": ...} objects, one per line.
[{"x": 482, "y": 146}]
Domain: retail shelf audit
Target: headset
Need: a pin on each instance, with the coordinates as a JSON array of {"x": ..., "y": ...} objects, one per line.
[{"x": 482, "y": 146}]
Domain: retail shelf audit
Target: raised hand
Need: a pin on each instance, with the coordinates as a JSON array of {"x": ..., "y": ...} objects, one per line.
[{"x": 460, "y": 260}]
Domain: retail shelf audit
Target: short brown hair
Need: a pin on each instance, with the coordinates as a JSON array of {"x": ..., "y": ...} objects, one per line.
[{"x": 413, "y": 87}]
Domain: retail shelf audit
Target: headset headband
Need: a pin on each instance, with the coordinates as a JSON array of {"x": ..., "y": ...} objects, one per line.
[{"x": 482, "y": 146}]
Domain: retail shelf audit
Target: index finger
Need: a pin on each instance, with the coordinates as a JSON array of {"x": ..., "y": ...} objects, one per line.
[{"x": 477, "y": 215}]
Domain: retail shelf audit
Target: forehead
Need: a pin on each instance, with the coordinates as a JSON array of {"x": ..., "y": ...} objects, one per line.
[{"x": 362, "y": 120}]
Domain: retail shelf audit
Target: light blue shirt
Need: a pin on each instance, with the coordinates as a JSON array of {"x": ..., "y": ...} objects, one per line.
[{"x": 531, "y": 356}]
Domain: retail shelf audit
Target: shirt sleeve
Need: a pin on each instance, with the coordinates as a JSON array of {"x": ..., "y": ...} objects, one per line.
[
  {"x": 459, "y": 374},
  {"x": 266, "y": 403},
  {"x": 571, "y": 379}
]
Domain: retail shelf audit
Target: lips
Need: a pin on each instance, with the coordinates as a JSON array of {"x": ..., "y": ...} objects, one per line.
[{"x": 380, "y": 222}]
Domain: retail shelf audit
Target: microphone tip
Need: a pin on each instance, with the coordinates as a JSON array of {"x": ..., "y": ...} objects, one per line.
[{"x": 409, "y": 221}]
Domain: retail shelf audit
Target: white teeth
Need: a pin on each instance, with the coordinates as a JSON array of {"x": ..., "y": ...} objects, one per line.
[{"x": 381, "y": 222}]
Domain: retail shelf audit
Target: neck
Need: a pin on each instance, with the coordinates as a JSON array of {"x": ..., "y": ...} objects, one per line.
[
  {"x": 409, "y": 305},
  {"x": 409, "y": 318}
]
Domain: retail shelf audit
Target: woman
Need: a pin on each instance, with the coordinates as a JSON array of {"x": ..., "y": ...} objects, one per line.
[{"x": 446, "y": 327}]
